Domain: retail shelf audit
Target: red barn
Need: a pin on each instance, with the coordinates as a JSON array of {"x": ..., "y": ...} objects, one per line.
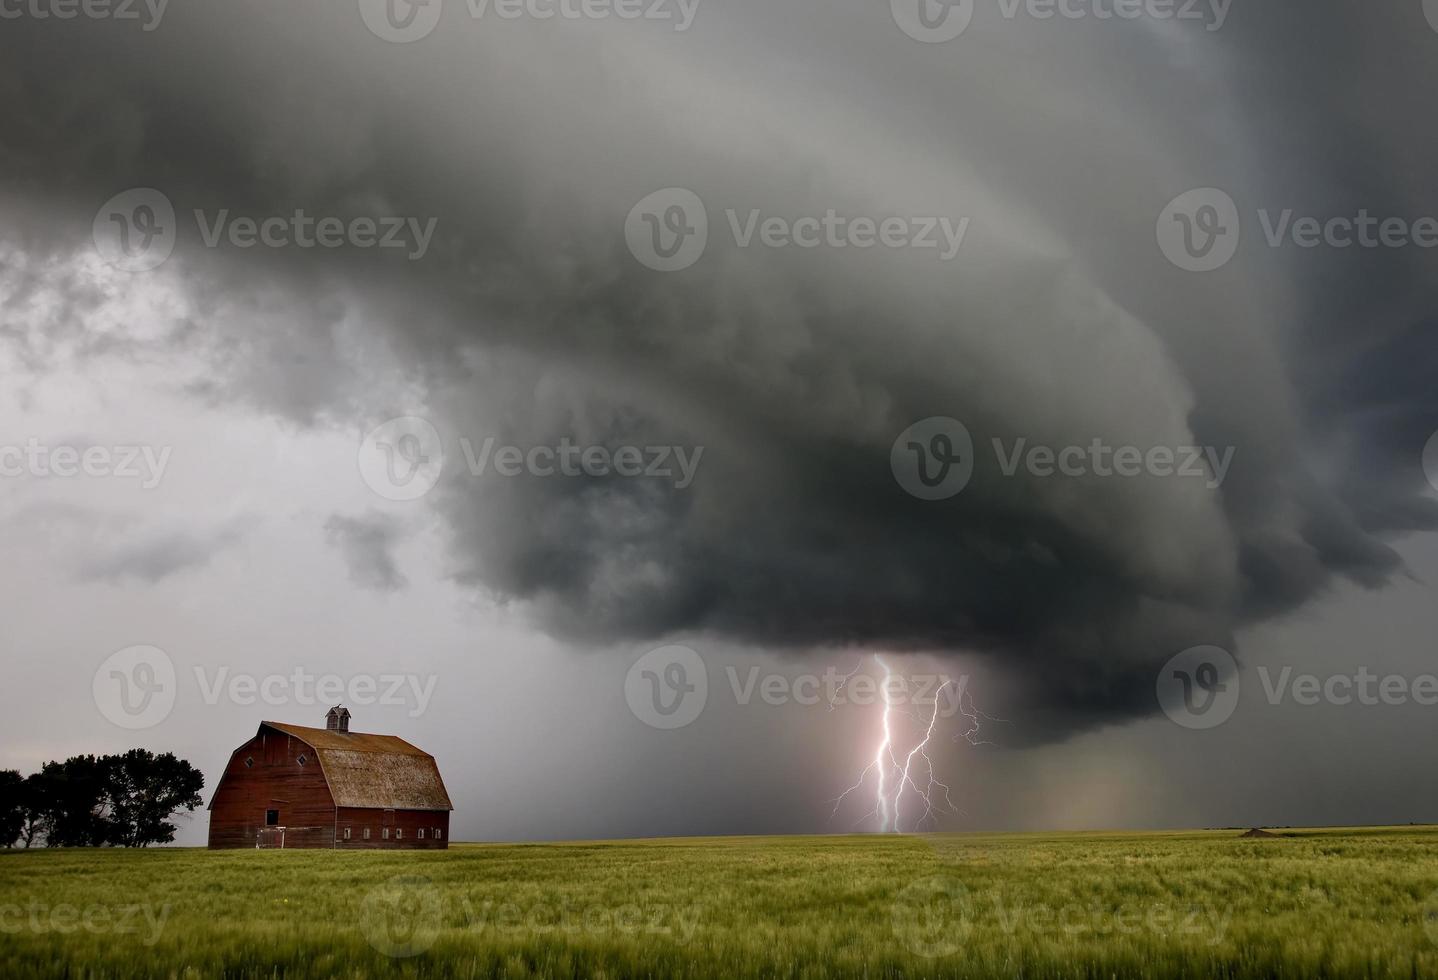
[{"x": 291, "y": 786}]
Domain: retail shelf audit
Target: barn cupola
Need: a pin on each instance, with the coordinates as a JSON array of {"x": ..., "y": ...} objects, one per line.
[{"x": 338, "y": 719}]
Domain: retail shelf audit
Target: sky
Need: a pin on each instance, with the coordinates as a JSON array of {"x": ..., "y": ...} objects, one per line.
[{"x": 595, "y": 394}]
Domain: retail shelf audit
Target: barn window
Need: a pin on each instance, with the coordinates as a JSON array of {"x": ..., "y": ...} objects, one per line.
[
  {"x": 272, "y": 818},
  {"x": 249, "y": 762},
  {"x": 347, "y": 833},
  {"x": 385, "y": 833},
  {"x": 302, "y": 759},
  {"x": 438, "y": 834},
  {"x": 421, "y": 833},
  {"x": 366, "y": 833},
  {"x": 399, "y": 833}
]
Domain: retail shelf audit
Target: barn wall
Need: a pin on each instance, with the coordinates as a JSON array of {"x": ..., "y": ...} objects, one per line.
[
  {"x": 276, "y": 781},
  {"x": 410, "y": 821}
]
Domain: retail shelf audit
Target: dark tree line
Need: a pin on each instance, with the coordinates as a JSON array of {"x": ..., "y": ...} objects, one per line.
[{"x": 94, "y": 801}]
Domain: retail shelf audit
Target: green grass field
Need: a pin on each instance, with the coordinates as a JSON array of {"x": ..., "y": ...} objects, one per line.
[{"x": 1322, "y": 903}]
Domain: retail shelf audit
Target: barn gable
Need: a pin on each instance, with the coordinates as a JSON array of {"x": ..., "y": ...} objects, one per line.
[{"x": 373, "y": 771}]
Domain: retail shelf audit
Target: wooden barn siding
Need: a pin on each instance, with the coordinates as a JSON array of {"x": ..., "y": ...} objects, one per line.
[
  {"x": 276, "y": 782},
  {"x": 410, "y": 821}
]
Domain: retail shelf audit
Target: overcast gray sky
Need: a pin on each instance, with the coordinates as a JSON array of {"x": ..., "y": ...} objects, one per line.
[{"x": 467, "y": 355}]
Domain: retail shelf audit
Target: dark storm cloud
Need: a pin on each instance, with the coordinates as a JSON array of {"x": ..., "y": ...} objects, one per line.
[
  {"x": 1061, "y": 322},
  {"x": 367, "y": 543}
]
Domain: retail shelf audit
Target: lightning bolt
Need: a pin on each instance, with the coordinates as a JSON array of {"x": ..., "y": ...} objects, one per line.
[
  {"x": 893, "y": 778},
  {"x": 976, "y": 720}
]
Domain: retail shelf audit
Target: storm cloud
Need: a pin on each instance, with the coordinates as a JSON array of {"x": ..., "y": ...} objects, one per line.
[{"x": 1058, "y": 323}]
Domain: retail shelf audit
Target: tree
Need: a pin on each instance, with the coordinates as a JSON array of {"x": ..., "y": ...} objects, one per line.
[
  {"x": 12, "y": 806},
  {"x": 70, "y": 802},
  {"x": 33, "y": 817},
  {"x": 142, "y": 791}
]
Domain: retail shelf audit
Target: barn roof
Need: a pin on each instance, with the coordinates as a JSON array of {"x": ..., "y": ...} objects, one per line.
[{"x": 377, "y": 771}]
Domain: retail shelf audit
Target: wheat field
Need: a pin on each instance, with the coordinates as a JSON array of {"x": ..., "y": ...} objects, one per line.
[{"x": 1334, "y": 903}]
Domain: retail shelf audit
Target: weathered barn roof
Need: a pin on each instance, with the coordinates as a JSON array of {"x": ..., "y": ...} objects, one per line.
[{"x": 377, "y": 771}]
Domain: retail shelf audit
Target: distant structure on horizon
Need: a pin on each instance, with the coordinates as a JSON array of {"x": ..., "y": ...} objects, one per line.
[{"x": 292, "y": 786}]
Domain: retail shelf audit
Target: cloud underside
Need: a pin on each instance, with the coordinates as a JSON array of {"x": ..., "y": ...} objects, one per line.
[{"x": 1059, "y": 323}]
